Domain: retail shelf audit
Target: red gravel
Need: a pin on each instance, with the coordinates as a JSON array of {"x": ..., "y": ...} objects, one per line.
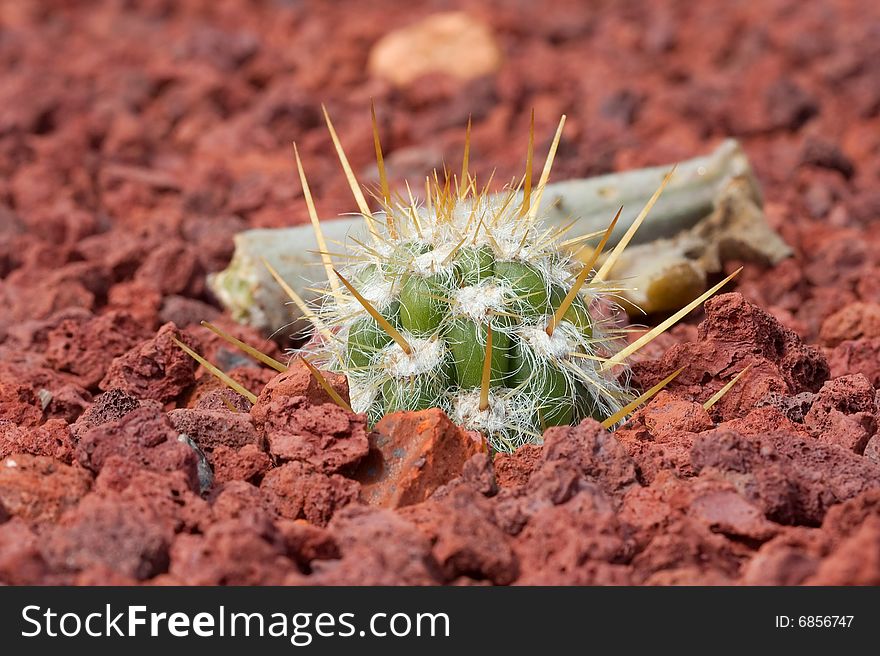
[{"x": 137, "y": 138}]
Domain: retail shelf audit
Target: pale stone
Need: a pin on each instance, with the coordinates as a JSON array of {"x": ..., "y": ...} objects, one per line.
[{"x": 453, "y": 43}]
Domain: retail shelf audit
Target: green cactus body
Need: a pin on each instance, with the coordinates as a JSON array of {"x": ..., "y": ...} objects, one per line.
[
  {"x": 366, "y": 337},
  {"x": 529, "y": 285},
  {"x": 577, "y": 313},
  {"x": 474, "y": 264},
  {"x": 547, "y": 382},
  {"x": 421, "y": 303},
  {"x": 468, "y": 340},
  {"x": 412, "y": 393}
]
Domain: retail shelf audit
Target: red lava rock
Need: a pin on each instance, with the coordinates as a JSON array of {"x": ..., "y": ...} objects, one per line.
[
  {"x": 859, "y": 356},
  {"x": 296, "y": 491},
  {"x": 236, "y": 499},
  {"x": 307, "y": 543},
  {"x": 20, "y": 404},
  {"x": 166, "y": 495},
  {"x": 763, "y": 420},
  {"x": 100, "y": 531},
  {"x": 228, "y": 357},
  {"x": 110, "y": 406},
  {"x": 749, "y": 392},
  {"x": 249, "y": 463},
  {"x": 685, "y": 552},
  {"x": 213, "y": 428},
  {"x": 121, "y": 251},
  {"x": 736, "y": 333},
  {"x": 789, "y": 105},
  {"x": 212, "y": 237},
  {"x": 856, "y": 561},
  {"x": 479, "y": 475},
  {"x": 649, "y": 509},
  {"x": 86, "y": 348},
  {"x": 794, "y": 479},
  {"x": 38, "y": 488},
  {"x": 411, "y": 455},
  {"x": 844, "y": 519},
  {"x": 688, "y": 518},
  {"x": 725, "y": 511},
  {"x": 652, "y": 458},
  {"x": 582, "y": 459},
  {"x": 138, "y": 299},
  {"x": 251, "y": 378},
  {"x": 514, "y": 469},
  {"x": 145, "y": 436},
  {"x": 667, "y": 415},
  {"x": 157, "y": 369},
  {"x": 185, "y": 312},
  {"x": 222, "y": 399},
  {"x": 794, "y": 408},
  {"x": 732, "y": 456},
  {"x": 21, "y": 562},
  {"x": 464, "y": 539},
  {"x": 660, "y": 435},
  {"x": 52, "y": 439},
  {"x": 34, "y": 333},
  {"x": 173, "y": 268},
  {"x": 575, "y": 543},
  {"x": 297, "y": 381},
  {"x": 827, "y": 155},
  {"x": 51, "y": 291},
  {"x": 122, "y": 184},
  {"x": 837, "y": 260},
  {"x": 377, "y": 547},
  {"x": 101, "y": 575},
  {"x": 872, "y": 449},
  {"x": 232, "y": 552},
  {"x": 854, "y": 321},
  {"x": 843, "y": 413},
  {"x": 67, "y": 403},
  {"x": 325, "y": 436},
  {"x": 788, "y": 559},
  {"x": 597, "y": 454}
]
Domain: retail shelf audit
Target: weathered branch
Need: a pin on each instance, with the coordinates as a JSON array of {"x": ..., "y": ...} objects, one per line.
[{"x": 700, "y": 188}]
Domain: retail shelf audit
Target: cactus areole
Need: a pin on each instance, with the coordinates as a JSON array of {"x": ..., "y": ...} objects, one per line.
[{"x": 467, "y": 301}]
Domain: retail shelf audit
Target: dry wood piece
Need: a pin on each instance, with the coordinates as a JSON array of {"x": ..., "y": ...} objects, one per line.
[{"x": 710, "y": 212}]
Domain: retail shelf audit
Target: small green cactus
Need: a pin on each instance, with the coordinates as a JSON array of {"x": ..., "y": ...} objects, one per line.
[{"x": 469, "y": 303}]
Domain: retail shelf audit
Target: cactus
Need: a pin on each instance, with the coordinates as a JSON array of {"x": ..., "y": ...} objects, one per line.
[{"x": 469, "y": 302}]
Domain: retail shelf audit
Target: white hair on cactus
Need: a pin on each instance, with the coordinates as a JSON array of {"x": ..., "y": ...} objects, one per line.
[
  {"x": 476, "y": 301},
  {"x": 551, "y": 347},
  {"x": 427, "y": 357},
  {"x": 362, "y": 394},
  {"x": 507, "y": 418}
]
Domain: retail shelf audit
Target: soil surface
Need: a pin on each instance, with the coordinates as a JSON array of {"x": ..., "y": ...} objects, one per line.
[{"x": 136, "y": 138}]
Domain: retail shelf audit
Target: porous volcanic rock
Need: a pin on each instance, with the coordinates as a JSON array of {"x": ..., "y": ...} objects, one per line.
[
  {"x": 157, "y": 369},
  {"x": 411, "y": 455},
  {"x": 39, "y": 488},
  {"x": 325, "y": 436},
  {"x": 295, "y": 490},
  {"x": 145, "y": 436}
]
